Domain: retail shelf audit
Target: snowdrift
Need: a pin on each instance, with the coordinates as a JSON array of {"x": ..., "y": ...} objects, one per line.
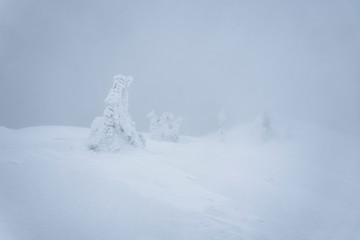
[{"x": 303, "y": 184}]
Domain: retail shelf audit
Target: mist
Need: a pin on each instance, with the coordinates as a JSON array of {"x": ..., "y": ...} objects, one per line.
[{"x": 194, "y": 58}]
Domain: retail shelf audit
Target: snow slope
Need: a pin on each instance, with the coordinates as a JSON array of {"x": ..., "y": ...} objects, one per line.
[{"x": 303, "y": 184}]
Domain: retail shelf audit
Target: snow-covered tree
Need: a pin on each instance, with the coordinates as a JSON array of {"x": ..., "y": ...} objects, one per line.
[
  {"x": 221, "y": 118},
  {"x": 165, "y": 127},
  {"x": 115, "y": 130},
  {"x": 267, "y": 131},
  {"x": 154, "y": 122}
]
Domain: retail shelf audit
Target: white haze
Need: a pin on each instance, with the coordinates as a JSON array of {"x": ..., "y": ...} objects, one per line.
[{"x": 193, "y": 58}]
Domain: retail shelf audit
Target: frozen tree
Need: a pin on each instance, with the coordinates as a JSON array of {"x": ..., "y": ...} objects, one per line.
[
  {"x": 165, "y": 127},
  {"x": 221, "y": 118},
  {"x": 154, "y": 122},
  {"x": 267, "y": 131},
  {"x": 115, "y": 129}
]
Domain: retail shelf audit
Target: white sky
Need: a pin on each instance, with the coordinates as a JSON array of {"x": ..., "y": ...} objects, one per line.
[{"x": 192, "y": 57}]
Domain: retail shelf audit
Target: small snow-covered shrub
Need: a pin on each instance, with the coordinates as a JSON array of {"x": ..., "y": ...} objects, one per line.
[
  {"x": 164, "y": 127},
  {"x": 115, "y": 130}
]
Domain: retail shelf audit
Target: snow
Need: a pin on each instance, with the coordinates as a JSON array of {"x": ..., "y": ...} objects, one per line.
[{"x": 303, "y": 184}]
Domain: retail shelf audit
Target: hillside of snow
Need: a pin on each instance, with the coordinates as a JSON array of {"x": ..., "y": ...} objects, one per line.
[{"x": 301, "y": 184}]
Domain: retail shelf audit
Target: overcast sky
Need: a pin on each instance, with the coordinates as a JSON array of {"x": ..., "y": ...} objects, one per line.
[{"x": 192, "y": 57}]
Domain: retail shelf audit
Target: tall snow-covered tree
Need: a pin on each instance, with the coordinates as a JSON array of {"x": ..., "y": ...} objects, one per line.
[
  {"x": 267, "y": 131},
  {"x": 165, "y": 127},
  {"x": 115, "y": 130},
  {"x": 221, "y": 118}
]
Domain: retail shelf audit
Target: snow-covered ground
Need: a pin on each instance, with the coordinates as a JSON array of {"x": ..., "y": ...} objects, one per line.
[{"x": 304, "y": 183}]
